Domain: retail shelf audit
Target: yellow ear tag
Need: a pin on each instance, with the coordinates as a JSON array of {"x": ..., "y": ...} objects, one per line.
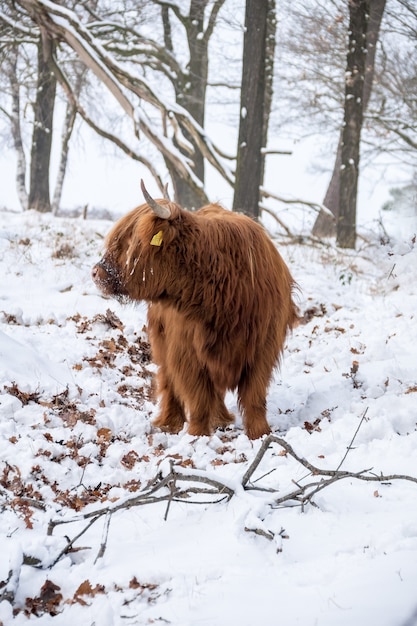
[{"x": 157, "y": 239}]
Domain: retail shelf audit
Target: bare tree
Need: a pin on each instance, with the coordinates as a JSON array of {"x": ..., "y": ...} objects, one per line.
[
  {"x": 39, "y": 198},
  {"x": 131, "y": 91},
  {"x": 79, "y": 72},
  {"x": 325, "y": 226},
  {"x": 271, "y": 28},
  {"x": 31, "y": 87},
  {"x": 184, "y": 73},
  {"x": 10, "y": 67},
  {"x": 352, "y": 124},
  {"x": 392, "y": 113},
  {"x": 18, "y": 41},
  {"x": 190, "y": 84},
  {"x": 254, "y": 104}
]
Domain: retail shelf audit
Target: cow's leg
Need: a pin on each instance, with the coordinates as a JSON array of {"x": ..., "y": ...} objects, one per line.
[
  {"x": 171, "y": 417},
  {"x": 222, "y": 417},
  {"x": 205, "y": 402},
  {"x": 252, "y": 390},
  {"x": 200, "y": 400}
]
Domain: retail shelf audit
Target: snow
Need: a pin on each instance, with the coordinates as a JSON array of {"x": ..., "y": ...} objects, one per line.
[{"x": 76, "y": 437}]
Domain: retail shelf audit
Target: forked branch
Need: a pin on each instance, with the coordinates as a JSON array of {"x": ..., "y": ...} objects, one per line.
[
  {"x": 197, "y": 487},
  {"x": 305, "y": 492}
]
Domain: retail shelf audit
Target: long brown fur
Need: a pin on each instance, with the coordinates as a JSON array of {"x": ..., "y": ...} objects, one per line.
[{"x": 220, "y": 305}]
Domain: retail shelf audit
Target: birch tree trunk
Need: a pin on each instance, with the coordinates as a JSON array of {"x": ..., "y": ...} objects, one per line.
[
  {"x": 68, "y": 127},
  {"x": 15, "y": 128},
  {"x": 128, "y": 88}
]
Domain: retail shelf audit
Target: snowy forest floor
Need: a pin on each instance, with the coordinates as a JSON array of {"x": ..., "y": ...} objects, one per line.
[{"x": 105, "y": 520}]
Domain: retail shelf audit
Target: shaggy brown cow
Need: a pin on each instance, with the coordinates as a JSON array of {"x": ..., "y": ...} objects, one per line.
[{"x": 220, "y": 305}]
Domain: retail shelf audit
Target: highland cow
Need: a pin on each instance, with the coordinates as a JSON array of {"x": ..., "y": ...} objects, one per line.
[{"x": 220, "y": 305}]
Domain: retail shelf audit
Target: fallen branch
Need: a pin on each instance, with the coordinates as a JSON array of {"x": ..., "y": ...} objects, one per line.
[
  {"x": 304, "y": 493},
  {"x": 7, "y": 592},
  {"x": 316, "y": 206},
  {"x": 349, "y": 448},
  {"x": 287, "y": 231},
  {"x": 179, "y": 486},
  {"x": 148, "y": 496}
]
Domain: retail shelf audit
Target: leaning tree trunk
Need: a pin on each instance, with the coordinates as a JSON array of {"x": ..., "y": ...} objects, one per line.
[
  {"x": 352, "y": 126},
  {"x": 325, "y": 225},
  {"x": 63, "y": 24},
  {"x": 39, "y": 198},
  {"x": 249, "y": 166}
]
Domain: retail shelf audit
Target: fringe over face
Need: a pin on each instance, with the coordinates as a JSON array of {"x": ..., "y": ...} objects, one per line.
[{"x": 220, "y": 306}]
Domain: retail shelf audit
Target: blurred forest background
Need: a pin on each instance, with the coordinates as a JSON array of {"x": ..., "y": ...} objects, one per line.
[{"x": 151, "y": 77}]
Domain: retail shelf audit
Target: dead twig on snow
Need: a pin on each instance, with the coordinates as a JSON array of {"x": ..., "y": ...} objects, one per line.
[
  {"x": 304, "y": 493},
  {"x": 175, "y": 493},
  {"x": 179, "y": 486}
]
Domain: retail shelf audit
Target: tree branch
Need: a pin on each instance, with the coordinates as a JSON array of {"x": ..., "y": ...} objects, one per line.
[
  {"x": 179, "y": 486},
  {"x": 64, "y": 25},
  {"x": 212, "y": 19},
  {"x": 316, "y": 206},
  {"x": 175, "y": 9}
]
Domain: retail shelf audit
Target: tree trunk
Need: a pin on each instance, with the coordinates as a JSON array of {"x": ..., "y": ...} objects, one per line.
[
  {"x": 70, "y": 115},
  {"x": 68, "y": 127},
  {"x": 62, "y": 24},
  {"x": 325, "y": 226},
  {"x": 249, "y": 167},
  {"x": 271, "y": 28},
  {"x": 352, "y": 126},
  {"x": 16, "y": 130},
  {"x": 191, "y": 94},
  {"x": 80, "y": 71},
  {"x": 39, "y": 198}
]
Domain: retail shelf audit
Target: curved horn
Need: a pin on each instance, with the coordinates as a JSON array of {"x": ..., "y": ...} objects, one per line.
[{"x": 159, "y": 210}]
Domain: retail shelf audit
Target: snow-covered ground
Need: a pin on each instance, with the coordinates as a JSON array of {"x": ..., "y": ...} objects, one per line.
[{"x": 76, "y": 437}]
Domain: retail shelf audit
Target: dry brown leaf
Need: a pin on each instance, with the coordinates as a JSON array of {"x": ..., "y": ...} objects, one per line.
[
  {"x": 104, "y": 434},
  {"x": 130, "y": 459},
  {"x": 113, "y": 320}
]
